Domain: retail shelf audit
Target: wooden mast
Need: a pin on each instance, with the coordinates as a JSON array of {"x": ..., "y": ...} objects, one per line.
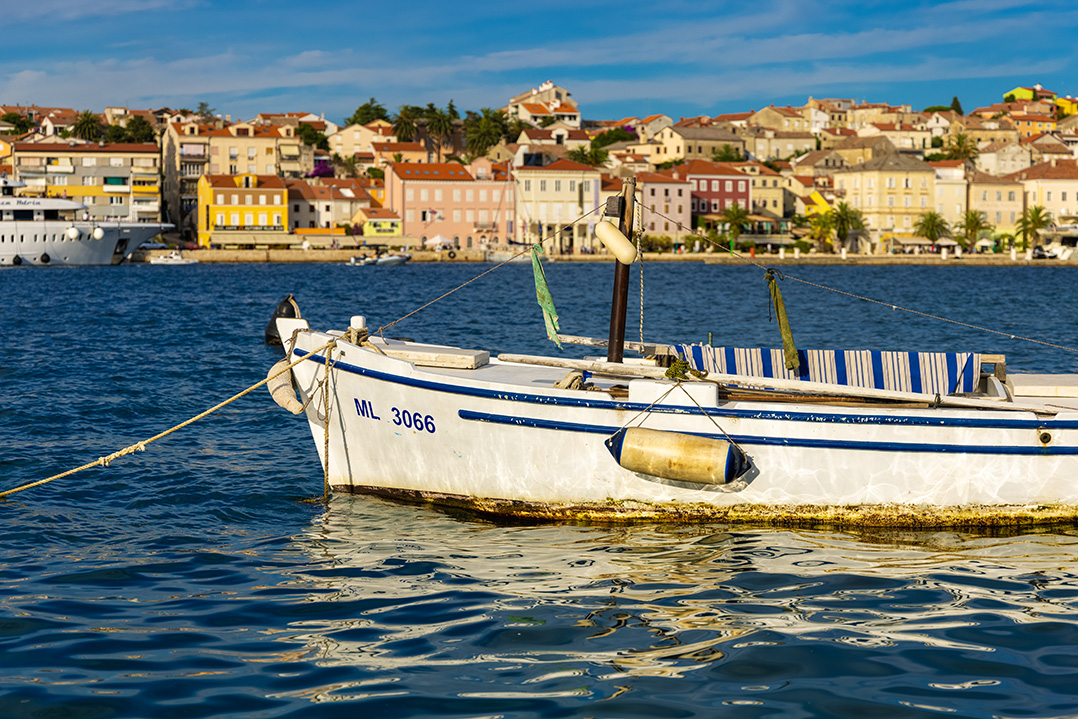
[{"x": 615, "y": 348}]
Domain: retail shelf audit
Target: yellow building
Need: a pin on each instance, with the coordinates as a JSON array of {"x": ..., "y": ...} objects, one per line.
[
  {"x": 191, "y": 150},
  {"x": 1067, "y": 105},
  {"x": 242, "y": 211},
  {"x": 378, "y": 223},
  {"x": 118, "y": 181},
  {"x": 891, "y": 191}
]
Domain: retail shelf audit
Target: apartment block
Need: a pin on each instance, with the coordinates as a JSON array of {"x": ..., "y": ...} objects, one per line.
[
  {"x": 242, "y": 211},
  {"x": 117, "y": 181}
]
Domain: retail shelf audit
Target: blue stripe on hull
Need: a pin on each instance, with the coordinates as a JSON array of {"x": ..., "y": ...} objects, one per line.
[
  {"x": 717, "y": 412},
  {"x": 605, "y": 431}
]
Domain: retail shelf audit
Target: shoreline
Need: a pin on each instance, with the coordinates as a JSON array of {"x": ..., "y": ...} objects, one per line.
[{"x": 208, "y": 256}]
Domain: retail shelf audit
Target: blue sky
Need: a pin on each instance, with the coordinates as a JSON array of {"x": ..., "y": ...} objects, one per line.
[{"x": 676, "y": 57}]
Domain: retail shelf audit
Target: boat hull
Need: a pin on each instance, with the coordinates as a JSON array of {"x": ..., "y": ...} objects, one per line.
[
  {"x": 48, "y": 243},
  {"x": 487, "y": 440}
]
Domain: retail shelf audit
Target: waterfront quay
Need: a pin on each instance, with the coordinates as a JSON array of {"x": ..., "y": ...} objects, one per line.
[{"x": 219, "y": 256}]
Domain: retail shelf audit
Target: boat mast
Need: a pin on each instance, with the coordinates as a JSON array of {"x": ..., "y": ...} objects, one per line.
[{"x": 615, "y": 348}]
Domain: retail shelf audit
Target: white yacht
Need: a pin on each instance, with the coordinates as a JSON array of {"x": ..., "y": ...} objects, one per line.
[{"x": 56, "y": 231}]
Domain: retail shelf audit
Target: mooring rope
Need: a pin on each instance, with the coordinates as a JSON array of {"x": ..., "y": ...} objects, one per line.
[
  {"x": 461, "y": 286},
  {"x": 748, "y": 260},
  {"x": 141, "y": 446}
]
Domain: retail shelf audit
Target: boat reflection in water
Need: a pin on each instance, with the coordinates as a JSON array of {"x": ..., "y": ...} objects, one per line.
[{"x": 417, "y": 598}]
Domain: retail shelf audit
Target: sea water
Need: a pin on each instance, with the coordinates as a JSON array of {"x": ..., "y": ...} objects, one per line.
[{"x": 207, "y": 577}]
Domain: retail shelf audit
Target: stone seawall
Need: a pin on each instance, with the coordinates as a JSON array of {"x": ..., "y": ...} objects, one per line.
[{"x": 245, "y": 256}]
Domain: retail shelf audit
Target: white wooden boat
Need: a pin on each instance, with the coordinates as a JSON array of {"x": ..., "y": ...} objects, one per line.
[
  {"x": 381, "y": 260},
  {"x": 173, "y": 258},
  {"x": 617, "y": 439}
]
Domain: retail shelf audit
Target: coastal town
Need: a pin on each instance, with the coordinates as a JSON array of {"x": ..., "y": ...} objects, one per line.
[{"x": 834, "y": 175}]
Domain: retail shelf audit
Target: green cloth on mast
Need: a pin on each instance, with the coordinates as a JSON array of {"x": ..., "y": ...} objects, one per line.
[
  {"x": 542, "y": 294},
  {"x": 789, "y": 351}
]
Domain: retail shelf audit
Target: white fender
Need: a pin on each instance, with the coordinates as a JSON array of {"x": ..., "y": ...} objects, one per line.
[
  {"x": 280, "y": 388},
  {"x": 616, "y": 242}
]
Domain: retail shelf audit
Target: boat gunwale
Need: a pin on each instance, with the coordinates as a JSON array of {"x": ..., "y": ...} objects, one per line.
[{"x": 838, "y": 417}]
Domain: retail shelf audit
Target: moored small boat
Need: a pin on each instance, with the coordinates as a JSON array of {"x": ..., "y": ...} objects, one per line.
[{"x": 688, "y": 431}]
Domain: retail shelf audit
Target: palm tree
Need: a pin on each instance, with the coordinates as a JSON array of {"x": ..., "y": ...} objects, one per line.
[
  {"x": 845, "y": 219},
  {"x": 737, "y": 218},
  {"x": 440, "y": 128},
  {"x": 972, "y": 224},
  {"x": 588, "y": 155},
  {"x": 962, "y": 147},
  {"x": 727, "y": 153},
  {"x": 932, "y": 226},
  {"x": 822, "y": 224},
  {"x": 1033, "y": 220},
  {"x": 404, "y": 124},
  {"x": 483, "y": 130},
  {"x": 87, "y": 126}
]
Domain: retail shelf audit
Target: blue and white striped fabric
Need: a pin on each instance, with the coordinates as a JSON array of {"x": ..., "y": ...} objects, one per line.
[{"x": 921, "y": 372}]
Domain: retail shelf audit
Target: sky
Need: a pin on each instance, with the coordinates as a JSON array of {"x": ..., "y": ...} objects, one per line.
[{"x": 617, "y": 59}]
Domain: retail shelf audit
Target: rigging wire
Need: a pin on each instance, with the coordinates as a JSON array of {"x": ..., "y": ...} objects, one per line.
[{"x": 748, "y": 260}]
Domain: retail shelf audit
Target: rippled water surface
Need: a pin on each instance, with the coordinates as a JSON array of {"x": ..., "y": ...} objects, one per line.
[{"x": 207, "y": 577}]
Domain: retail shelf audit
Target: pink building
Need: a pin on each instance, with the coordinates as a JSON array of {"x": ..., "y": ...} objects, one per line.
[
  {"x": 715, "y": 186},
  {"x": 666, "y": 203},
  {"x": 472, "y": 207}
]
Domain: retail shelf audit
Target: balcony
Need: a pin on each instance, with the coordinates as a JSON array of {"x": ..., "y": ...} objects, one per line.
[
  {"x": 117, "y": 188},
  {"x": 62, "y": 169}
]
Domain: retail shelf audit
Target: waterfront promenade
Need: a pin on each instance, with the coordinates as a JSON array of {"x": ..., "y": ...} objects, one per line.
[{"x": 209, "y": 256}]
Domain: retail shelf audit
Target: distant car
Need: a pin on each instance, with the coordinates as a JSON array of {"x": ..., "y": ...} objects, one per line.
[
  {"x": 1040, "y": 252},
  {"x": 153, "y": 246}
]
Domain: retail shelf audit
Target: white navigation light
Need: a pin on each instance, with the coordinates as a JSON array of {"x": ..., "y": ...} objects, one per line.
[
  {"x": 616, "y": 242},
  {"x": 98, "y": 233},
  {"x": 73, "y": 233}
]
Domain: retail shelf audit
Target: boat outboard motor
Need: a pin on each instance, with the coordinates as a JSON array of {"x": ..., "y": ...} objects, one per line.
[{"x": 288, "y": 307}]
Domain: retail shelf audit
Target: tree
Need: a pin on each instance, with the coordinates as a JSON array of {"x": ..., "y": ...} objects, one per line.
[
  {"x": 961, "y": 147},
  {"x": 345, "y": 166},
  {"x": 1009, "y": 97},
  {"x": 310, "y": 136},
  {"x": 671, "y": 163},
  {"x": 957, "y": 106},
  {"x": 87, "y": 126},
  {"x": 547, "y": 120},
  {"x": 404, "y": 124},
  {"x": 736, "y": 218},
  {"x": 140, "y": 130},
  {"x": 20, "y": 123},
  {"x": 972, "y": 224},
  {"x": 846, "y": 219},
  {"x": 368, "y": 112},
  {"x": 205, "y": 112},
  {"x": 932, "y": 226},
  {"x": 591, "y": 156},
  {"x": 1029, "y": 225},
  {"x": 822, "y": 224},
  {"x": 726, "y": 153},
  {"x": 440, "y": 128},
  {"x": 483, "y": 131},
  {"x": 936, "y": 108},
  {"x": 609, "y": 137},
  {"x": 114, "y": 133}
]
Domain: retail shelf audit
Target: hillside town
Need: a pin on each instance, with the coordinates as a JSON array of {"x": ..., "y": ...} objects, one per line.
[{"x": 831, "y": 175}]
